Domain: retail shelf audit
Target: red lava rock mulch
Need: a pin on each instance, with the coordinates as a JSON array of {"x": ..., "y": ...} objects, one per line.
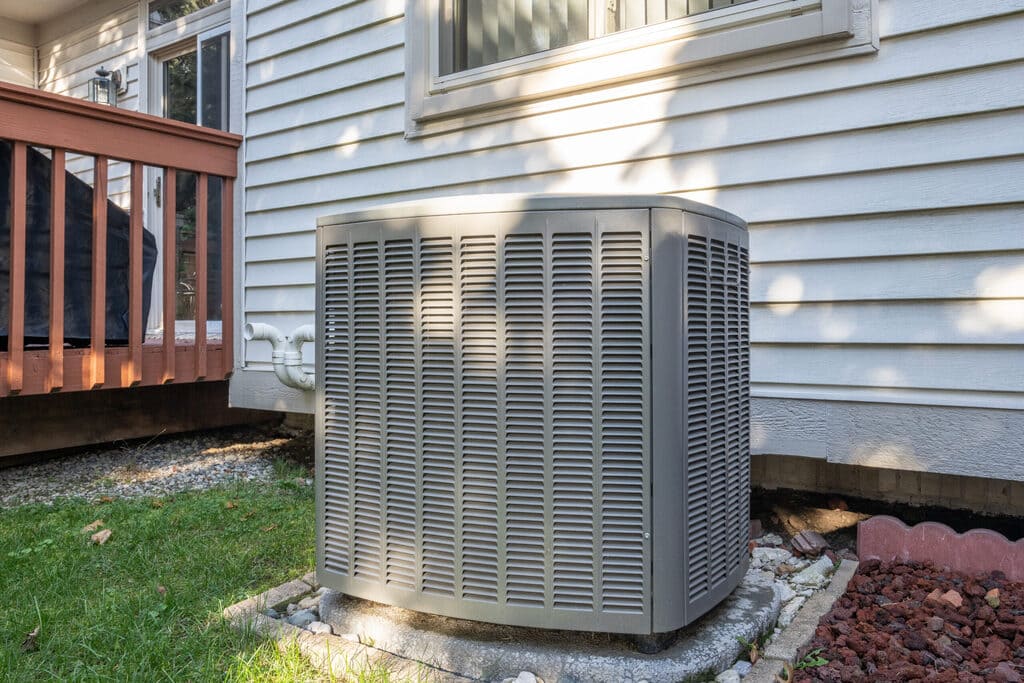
[{"x": 912, "y": 622}]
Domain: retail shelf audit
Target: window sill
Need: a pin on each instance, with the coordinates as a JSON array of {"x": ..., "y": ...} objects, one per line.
[{"x": 756, "y": 36}]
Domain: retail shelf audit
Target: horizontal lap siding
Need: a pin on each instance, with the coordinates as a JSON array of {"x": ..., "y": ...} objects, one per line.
[
  {"x": 67, "y": 63},
  {"x": 17, "y": 63},
  {"x": 885, "y": 192}
]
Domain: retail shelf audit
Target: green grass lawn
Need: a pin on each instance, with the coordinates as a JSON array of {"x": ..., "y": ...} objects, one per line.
[{"x": 145, "y": 606}]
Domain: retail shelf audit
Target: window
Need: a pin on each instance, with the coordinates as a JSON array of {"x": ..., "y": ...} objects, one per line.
[
  {"x": 474, "y": 61},
  {"x": 489, "y": 31}
]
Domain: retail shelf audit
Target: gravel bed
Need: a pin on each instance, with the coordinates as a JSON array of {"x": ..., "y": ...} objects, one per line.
[
  {"x": 161, "y": 466},
  {"x": 912, "y": 622}
]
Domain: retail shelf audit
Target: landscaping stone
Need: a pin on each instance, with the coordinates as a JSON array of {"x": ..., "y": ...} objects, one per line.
[
  {"x": 320, "y": 627},
  {"x": 770, "y": 540},
  {"x": 728, "y": 676},
  {"x": 742, "y": 667},
  {"x": 302, "y": 618},
  {"x": 785, "y": 592},
  {"x": 765, "y": 556},
  {"x": 272, "y": 613},
  {"x": 891, "y": 625},
  {"x": 310, "y": 602},
  {"x": 789, "y": 611},
  {"x": 816, "y": 575},
  {"x": 809, "y": 543}
]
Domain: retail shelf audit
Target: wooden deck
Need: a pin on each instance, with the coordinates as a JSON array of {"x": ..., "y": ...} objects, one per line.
[{"x": 65, "y": 125}]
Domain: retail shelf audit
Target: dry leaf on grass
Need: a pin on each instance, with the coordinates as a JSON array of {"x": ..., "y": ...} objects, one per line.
[
  {"x": 101, "y": 537},
  {"x": 269, "y": 528},
  {"x": 30, "y": 644},
  {"x": 89, "y": 528},
  {"x": 161, "y": 590},
  {"x": 231, "y": 505},
  {"x": 157, "y": 503},
  {"x": 106, "y": 499},
  {"x": 248, "y": 515}
]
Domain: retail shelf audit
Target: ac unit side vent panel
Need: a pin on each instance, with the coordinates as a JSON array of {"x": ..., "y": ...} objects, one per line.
[{"x": 484, "y": 416}]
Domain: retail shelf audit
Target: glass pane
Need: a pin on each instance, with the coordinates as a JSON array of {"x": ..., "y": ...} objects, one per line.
[
  {"x": 185, "y": 224},
  {"x": 214, "y": 97},
  {"x": 215, "y": 188},
  {"x": 490, "y": 31},
  {"x": 180, "y": 85},
  {"x": 163, "y": 11}
]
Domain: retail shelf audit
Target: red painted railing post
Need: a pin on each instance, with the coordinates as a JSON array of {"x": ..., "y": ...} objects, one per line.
[{"x": 56, "y": 377}]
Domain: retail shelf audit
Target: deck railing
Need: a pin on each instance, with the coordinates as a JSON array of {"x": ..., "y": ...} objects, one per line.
[{"x": 62, "y": 125}]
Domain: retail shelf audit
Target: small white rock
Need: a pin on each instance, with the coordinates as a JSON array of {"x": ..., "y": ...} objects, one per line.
[
  {"x": 526, "y": 677},
  {"x": 770, "y": 539},
  {"x": 761, "y": 557},
  {"x": 320, "y": 627},
  {"x": 728, "y": 676},
  {"x": 757, "y": 577},
  {"x": 310, "y": 602},
  {"x": 785, "y": 592},
  {"x": 743, "y": 668},
  {"x": 815, "y": 575},
  {"x": 789, "y": 611}
]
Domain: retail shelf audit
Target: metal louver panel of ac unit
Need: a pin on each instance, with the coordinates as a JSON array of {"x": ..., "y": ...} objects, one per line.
[
  {"x": 486, "y": 440},
  {"x": 717, "y": 438}
]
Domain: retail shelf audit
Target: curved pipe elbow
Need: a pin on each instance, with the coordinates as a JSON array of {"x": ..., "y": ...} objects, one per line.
[
  {"x": 287, "y": 355},
  {"x": 297, "y": 377},
  {"x": 301, "y": 334},
  {"x": 264, "y": 332}
]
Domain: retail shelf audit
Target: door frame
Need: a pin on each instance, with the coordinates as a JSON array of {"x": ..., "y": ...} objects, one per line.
[{"x": 173, "y": 39}]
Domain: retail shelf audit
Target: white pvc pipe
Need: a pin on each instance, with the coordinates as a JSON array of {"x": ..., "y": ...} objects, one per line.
[
  {"x": 293, "y": 358},
  {"x": 287, "y": 353}
]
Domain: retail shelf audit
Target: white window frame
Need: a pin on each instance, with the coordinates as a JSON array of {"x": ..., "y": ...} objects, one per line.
[
  {"x": 793, "y": 31},
  {"x": 177, "y": 37}
]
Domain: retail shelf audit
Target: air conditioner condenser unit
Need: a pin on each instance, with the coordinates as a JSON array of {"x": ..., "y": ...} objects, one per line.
[{"x": 534, "y": 410}]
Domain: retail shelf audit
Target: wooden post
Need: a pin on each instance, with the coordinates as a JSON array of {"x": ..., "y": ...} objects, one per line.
[
  {"x": 16, "y": 324},
  {"x": 131, "y": 373},
  {"x": 98, "y": 333},
  {"x": 170, "y": 270},
  {"x": 202, "y": 194},
  {"x": 227, "y": 264},
  {"x": 56, "y": 377}
]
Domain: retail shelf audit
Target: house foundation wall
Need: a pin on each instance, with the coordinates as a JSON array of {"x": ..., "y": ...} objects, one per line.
[{"x": 976, "y": 494}]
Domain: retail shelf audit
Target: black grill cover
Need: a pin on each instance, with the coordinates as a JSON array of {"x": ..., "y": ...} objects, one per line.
[{"x": 77, "y": 258}]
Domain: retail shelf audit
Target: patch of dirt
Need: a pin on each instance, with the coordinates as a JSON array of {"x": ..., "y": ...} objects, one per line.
[{"x": 912, "y": 622}]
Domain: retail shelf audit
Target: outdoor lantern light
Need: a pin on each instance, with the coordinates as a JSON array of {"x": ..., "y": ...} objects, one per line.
[{"x": 103, "y": 88}]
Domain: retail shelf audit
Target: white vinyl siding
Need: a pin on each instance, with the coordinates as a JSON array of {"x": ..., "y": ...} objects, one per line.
[
  {"x": 69, "y": 60},
  {"x": 885, "y": 192},
  {"x": 17, "y": 63}
]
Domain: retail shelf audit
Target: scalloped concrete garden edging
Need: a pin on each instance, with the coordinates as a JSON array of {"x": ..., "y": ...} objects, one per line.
[
  {"x": 978, "y": 551},
  {"x": 784, "y": 647}
]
